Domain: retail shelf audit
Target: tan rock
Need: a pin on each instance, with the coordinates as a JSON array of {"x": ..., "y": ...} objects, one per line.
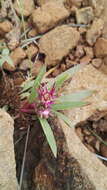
[
  {"x": 95, "y": 31},
  {"x": 47, "y": 16},
  {"x": 18, "y": 81},
  {"x": 103, "y": 67},
  {"x": 82, "y": 30},
  {"x": 98, "y": 6},
  {"x": 63, "y": 67},
  {"x": 84, "y": 15},
  {"x": 31, "y": 51},
  {"x": 13, "y": 38},
  {"x": 79, "y": 133},
  {"x": 90, "y": 148},
  {"x": 17, "y": 55},
  {"x": 105, "y": 60},
  {"x": 91, "y": 167},
  {"x": 97, "y": 62},
  {"x": 100, "y": 48},
  {"x": 92, "y": 79},
  {"x": 79, "y": 51},
  {"x": 70, "y": 63},
  {"x": 5, "y": 27},
  {"x": 71, "y": 3},
  {"x": 25, "y": 6},
  {"x": 89, "y": 51},
  {"x": 87, "y": 78},
  {"x": 56, "y": 72},
  {"x": 57, "y": 43},
  {"x": 85, "y": 60},
  {"x": 100, "y": 10},
  {"x": 7, "y": 157},
  {"x": 36, "y": 68},
  {"x": 104, "y": 16},
  {"x": 25, "y": 64},
  {"x": 41, "y": 2},
  {"x": 32, "y": 33},
  {"x": 103, "y": 149}
]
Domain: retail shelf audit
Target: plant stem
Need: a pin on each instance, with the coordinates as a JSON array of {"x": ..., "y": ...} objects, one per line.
[{"x": 24, "y": 159}]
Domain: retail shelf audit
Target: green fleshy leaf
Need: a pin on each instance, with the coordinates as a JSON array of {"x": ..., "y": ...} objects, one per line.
[
  {"x": 68, "y": 105},
  {"x": 49, "y": 135},
  {"x": 64, "y": 118},
  {"x": 60, "y": 81},
  {"x": 37, "y": 82},
  {"x": 5, "y": 51},
  {"x": 27, "y": 85},
  {"x": 24, "y": 95},
  {"x": 77, "y": 96},
  {"x": 9, "y": 60},
  {"x": 67, "y": 74},
  {"x": 1, "y": 62}
]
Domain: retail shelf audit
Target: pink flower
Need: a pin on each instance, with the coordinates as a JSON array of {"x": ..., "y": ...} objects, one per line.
[
  {"x": 42, "y": 105},
  {"x": 47, "y": 97}
]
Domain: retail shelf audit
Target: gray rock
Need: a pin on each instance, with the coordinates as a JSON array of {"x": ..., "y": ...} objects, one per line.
[{"x": 7, "y": 161}]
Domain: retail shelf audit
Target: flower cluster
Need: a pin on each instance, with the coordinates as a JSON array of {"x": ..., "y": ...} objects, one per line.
[
  {"x": 42, "y": 105},
  {"x": 46, "y": 99}
]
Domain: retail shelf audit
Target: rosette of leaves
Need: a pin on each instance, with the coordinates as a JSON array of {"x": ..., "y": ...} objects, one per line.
[{"x": 43, "y": 101}]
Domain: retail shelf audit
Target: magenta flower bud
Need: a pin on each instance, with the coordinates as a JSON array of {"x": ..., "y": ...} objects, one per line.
[
  {"x": 44, "y": 113},
  {"x": 28, "y": 108}
]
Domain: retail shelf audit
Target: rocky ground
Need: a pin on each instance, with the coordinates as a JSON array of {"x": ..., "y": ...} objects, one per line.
[{"x": 60, "y": 34}]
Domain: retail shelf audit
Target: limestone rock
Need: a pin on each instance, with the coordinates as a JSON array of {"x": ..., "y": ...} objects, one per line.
[
  {"x": 92, "y": 79},
  {"x": 41, "y": 2},
  {"x": 100, "y": 48},
  {"x": 25, "y": 64},
  {"x": 7, "y": 160},
  {"x": 85, "y": 60},
  {"x": 13, "y": 37},
  {"x": 95, "y": 31},
  {"x": 36, "y": 68},
  {"x": 104, "y": 17},
  {"x": 27, "y": 6},
  {"x": 47, "y": 16},
  {"x": 32, "y": 33},
  {"x": 84, "y": 15},
  {"x": 57, "y": 43},
  {"x": 100, "y": 64},
  {"x": 79, "y": 51},
  {"x": 98, "y": 6},
  {"x": 97, "y": 62},
  {"x": 5, "y": 27},
  {"x": 17, "y": 55},
  {"x": 89, "y": 51},
  {"x": 87, "y": 78},
  {"x": 100, "y": 10},
  {"x": 103, "y": 149},
  {"x": 71, "y": 3},
  {"x": 90, "y": 165},
  {"x": 31, "y": 51}
]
